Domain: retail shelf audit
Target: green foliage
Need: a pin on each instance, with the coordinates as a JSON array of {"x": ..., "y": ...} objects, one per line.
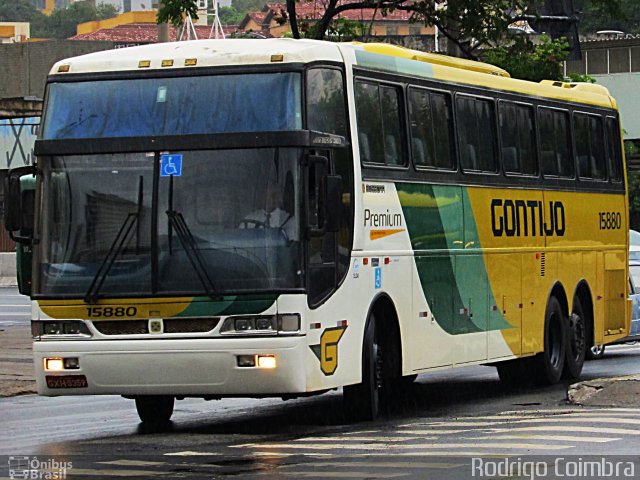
[
  {"x": 174, "y": 11},
  {"x": 245, "y": 6},
  {"x": 595, "y": 15},
  {"x": 229, "y": 16},
  {"x": 18, "y": 11},
  {"x": 528, "y": 61},
  {"x": 62, "y": 23},
  {"x": 580, "y": 77}
]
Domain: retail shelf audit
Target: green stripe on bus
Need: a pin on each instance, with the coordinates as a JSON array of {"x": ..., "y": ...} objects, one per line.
[
  {"x": 229, "y": 305},
  {"x": 454, "y": 280}
]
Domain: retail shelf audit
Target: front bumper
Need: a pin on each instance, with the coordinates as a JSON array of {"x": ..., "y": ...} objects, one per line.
[{"x": 189, "y": 367}]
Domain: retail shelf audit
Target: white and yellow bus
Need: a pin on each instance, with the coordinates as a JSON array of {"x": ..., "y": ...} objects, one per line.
[{"x": 278, "y": 218}]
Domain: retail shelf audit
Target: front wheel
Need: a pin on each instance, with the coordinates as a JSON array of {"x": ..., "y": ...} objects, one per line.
[
  {"x": 550, "y": 363},
  {"x": 155, "y": 409},
  {"x": 362, "y": 401}
]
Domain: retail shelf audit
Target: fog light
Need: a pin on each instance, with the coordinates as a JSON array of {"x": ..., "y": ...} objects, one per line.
[
  {"x": 246, "y": 360},
  {"x": 71, "y": 363},
  {"x": 53, "y": 364},
  {"x": 266, "y": 361},
  {"x": 289, "y": 322}
]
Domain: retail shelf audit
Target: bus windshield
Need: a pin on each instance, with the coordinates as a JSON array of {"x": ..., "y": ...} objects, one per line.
[
  {"x": 173, "y": 106},
  {"x": 110, "y": 224}
]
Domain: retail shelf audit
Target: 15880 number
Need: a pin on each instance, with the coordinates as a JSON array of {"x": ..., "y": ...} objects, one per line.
[{"x": 108, "y": 312}]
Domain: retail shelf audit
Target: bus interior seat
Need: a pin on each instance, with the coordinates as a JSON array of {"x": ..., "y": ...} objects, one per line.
[
  {"x": 390, "y": 150},
  {"x": 365, "y": 150},
  {"x": 510, "y": 159},
  {"x": 419, "y": 156},
  {"x": 471, "y": 160}
]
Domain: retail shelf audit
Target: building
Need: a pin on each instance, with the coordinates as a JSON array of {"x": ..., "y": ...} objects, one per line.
[
  {"x": 270, "y": 21},
  {"x": 14, "y": 32},
  {"x": 614, "y": 61}
]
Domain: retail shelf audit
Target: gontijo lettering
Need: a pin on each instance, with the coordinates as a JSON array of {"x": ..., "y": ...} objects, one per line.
[{"x": 523, "y": 218}]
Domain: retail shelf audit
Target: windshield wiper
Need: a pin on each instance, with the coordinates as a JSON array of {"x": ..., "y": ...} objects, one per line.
[
  {"x": 177, "y": 222},
  {"x": 114, "y": 251}
]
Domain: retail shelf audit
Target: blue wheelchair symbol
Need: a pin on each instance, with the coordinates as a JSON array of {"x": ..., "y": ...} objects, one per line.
[
  {"x": 378, "y": 278},
  {"x": 170, "y": 165}
]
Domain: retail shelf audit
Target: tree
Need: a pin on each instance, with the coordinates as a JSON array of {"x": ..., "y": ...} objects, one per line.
[
  {"x": 594, "y": 16},
  {"x": 528, "y": 61},
  {"x": 18, "y": 11},
  {"x": 174, "y": 11},
  {"x": 63, "y": 23},
  {"x": 229, "y": 16}
]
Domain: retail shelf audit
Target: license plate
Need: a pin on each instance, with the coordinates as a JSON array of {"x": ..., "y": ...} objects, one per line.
[{"x": 66, "y": 381}]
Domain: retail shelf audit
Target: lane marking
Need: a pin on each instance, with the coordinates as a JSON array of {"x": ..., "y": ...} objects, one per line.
[
  {"x": 418, "y": 446},
  {"x": 566, "y": 438},
  {"x": 568, "y": 428}
]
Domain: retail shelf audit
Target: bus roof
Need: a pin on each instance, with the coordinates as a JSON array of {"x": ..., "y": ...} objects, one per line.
[{"x": 377, "y": 56}]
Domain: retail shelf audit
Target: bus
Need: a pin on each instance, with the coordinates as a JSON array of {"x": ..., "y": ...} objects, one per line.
[{"x": 281, "y": 218}]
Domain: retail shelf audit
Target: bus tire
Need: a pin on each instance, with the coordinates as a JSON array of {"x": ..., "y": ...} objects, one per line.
[
  {"x": 549, "y": 364},
  {"x": 576, "y": 341},
  {"x": 362, "y": 401},
  {"x": 155, "y": 409}
]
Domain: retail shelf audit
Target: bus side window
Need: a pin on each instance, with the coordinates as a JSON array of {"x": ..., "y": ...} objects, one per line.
[
  {"x": 518, "y": 139},
  {"x": 555, "y": 143},
  {"x": 431, "y": 123},
  {"x": 589, "y": 148},
  {"x": 379, "y": 123},
  {"x": 614, "y": 153},
  {"x": 476, "y": 134}
]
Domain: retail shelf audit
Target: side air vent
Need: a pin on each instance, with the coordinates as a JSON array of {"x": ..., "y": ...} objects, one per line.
[{"x": 542, "y": 265}]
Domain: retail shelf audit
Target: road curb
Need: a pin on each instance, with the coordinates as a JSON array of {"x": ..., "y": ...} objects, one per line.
[{"x": 608, "y": 392}]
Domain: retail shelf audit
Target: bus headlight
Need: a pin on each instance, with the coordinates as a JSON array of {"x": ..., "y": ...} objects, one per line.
[
  {"x": 282, "y": 324},
  {"x": 70, "y": 328}
]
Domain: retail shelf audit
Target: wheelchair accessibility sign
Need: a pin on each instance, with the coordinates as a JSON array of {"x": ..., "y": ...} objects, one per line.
[{"x": 170, "y": 165}]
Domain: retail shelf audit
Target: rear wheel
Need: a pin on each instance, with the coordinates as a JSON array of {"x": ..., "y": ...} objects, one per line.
[
  {"x": 155, "y": 409},
  {"x": 576, "y": 342},
  {"x": 550, "y": 363},
  {"x": 362, "y": 401}
]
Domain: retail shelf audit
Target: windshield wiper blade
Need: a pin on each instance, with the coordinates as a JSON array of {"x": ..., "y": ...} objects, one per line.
[
  {"x": 114, "y": 251},
  {"x": 176, "y": 220}
]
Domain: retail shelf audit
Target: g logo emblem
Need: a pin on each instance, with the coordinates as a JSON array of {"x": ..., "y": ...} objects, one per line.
[{"x": 327, "y": 351}]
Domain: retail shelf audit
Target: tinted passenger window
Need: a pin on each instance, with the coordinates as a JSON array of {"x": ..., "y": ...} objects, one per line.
[
  {"x": 325, "y": 101},
  {"x": 614, "y": 151},
  {"x": 476, "y": 134},
  {"x": 589, "y": 139},
  {"x": 518, "y": 139},
  {"x": 379, "y": 124},
  {"x": 555, "y": 143},
  {"x": 431, "y": 121}
]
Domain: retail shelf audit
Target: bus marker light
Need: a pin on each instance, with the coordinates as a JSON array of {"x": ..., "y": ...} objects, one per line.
[
  {"x": 387, "y": 260},
  {"x": 266, "y": 361},
  {"x": 190, "y": 62},
  {"x": 315, "y": 326},
  {"x": 342, "y": 323},
  {"x": 53, "y": 364},
  {"x": 167, "y": 63},
  {"x": 423, "y": 314},
  {"x": 494, "y": 308},
  {"x": 64, "y": 68},
  {"x": 365, "y": 261},
  {"x": 277, "y": 58},
  {"x": 144, "y": 63}
]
